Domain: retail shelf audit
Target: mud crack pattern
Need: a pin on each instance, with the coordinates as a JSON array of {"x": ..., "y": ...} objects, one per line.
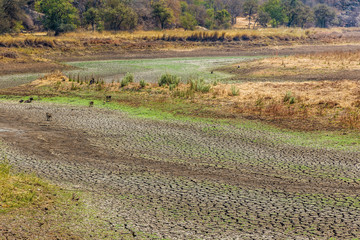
[{"x": 188, "y": 179}]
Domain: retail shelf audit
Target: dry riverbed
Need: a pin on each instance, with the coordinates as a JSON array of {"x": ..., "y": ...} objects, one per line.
[{"x": 188, "y": 179}]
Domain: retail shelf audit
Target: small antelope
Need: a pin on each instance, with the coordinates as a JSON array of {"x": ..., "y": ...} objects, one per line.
[
  {"x": 91, "y": 104},
  {"x": 48, "y": 116}
]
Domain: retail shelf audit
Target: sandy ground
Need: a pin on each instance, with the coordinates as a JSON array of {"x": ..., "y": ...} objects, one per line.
[{"x": 188, "y": 180}]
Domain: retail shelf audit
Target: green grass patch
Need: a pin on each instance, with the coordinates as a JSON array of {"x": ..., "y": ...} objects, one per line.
[{"x": 21, "y": 190}]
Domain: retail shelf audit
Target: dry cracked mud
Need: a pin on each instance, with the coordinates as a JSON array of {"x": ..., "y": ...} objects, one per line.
[{"x": 181, "y": 179}]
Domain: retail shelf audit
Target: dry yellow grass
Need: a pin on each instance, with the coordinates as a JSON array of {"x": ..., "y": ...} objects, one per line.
[
  {"x": 76, "y": 37},
  {"x": 342, "y": 94},
  {"x": 318, "y": 63}
]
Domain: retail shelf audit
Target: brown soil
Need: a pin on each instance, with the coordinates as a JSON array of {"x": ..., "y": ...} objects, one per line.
[{"x": 31, "y": 67}]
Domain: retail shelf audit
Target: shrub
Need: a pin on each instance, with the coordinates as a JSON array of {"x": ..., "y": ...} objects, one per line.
[
  {"x": 198, "y": 85},
  {"x": 142, "y": 83},
  {"x": 168, "y": 79},
  {"x": 234, "y": 91},
  {"x": 129, "y": 78},
  {"x": 73, "y": 87},
  {"x": 288, "y": 98}
]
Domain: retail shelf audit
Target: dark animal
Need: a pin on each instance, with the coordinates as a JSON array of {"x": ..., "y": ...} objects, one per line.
[
  {"x": 91, "y": 104},
  {"x": 48, "y": 116},
  {"x": 92, "y": 81},
  {"x": 108, "y": 98},
  {"x": 28, "y": 101},
  {"x": 212, "y": 72},
  {"x": 238, "y": 66},
  {"x": 31, "y": 99},
  {"x": 21, "y": 101}
]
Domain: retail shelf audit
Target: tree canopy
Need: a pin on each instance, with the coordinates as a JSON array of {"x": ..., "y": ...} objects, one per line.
[
  {"x": 59, "y": 15},
  {"x": 67, "y": 15}
]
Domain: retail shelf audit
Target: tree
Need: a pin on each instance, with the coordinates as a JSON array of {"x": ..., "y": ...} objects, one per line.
[
  {"x": 11, "y": 15},
  {"x": 200, "y": 14},
  {"x": 60, "y": 15},
  {"x": 234, "y": 7},
  {"x": 162, "y": 14},
  {"x": 222, "y": 18},
  {"x": 263, "y": 18},
  {"x": 297, "y": 13},
  {"x": 276, "y": 12},
  {"x": 118, "y": 16},
  {"x": 324, "y": 15},
  {"x": 210, "y": 18},
  {"x": 4, "y": 21},
  {"x": 188, "y": 21},
  {"x": 92, "y": 17},
  {"x": 250, "y": 8},
  {"x": 305, "y": 16}
]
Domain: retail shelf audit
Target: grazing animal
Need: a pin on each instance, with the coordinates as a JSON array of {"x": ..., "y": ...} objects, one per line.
[
  {"x": 91, "y": 104},
  {"x": 28, "y": 101},
  {"x": 31, "y": 99},
  {"x": 238, "y": 66},
  {"x": 21, "y": 101},
  {"x": 92, "y": 81},
  {"x": 48, "y": 116},
  {"x": 108, "y": 98},
  {"x": 212, "y": 72}
]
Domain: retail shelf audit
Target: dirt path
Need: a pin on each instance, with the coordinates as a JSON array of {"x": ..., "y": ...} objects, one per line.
[{"x": 187, "y": 180}]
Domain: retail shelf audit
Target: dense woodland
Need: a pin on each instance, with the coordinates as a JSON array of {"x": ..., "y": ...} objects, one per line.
[{"x": 68, "y": 15}]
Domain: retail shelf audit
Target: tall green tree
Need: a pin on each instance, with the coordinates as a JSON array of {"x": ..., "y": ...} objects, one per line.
[
  {"x": 276, "y": 12},
  {"x": 305, "y": 16},
  {"x": 92, "y": 17},
  {"x": 297, "y": 13},
  {"x": 324, "y": 15},
  {"x": 222, "y": 18},
  {"x": 163, "y": 15},
  {"x": 250, "y": 8},
  {"x": 263, "y": 18},
  {"x": 188, "y": 21},
  {"x": 60, "y": 15},
  {"x": 118, "y": 16}
]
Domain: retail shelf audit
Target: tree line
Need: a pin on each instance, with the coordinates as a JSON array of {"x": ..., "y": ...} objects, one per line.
[{"x": 115, "y": 15}]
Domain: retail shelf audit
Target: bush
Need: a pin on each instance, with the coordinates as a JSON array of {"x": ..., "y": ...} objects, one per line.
[
  {"x": 198, "y": 85},
  {"x": 234, "y": 91},
  {"x": 129, "y": 78},
  {"x": 142, "y": 83},
  {"x": 288, "y": 98},
  {"x": 168, "y": 79}
]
